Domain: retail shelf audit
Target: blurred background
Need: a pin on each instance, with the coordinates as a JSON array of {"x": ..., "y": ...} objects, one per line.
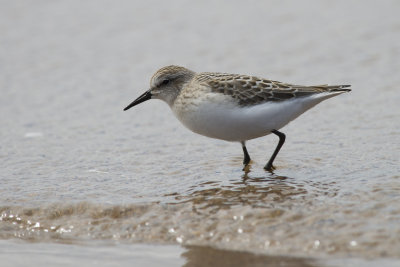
[{"x": 77, "y": 170}]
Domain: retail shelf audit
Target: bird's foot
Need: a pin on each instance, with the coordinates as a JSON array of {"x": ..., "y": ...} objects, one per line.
[
  {"x": 246, "y": 166},
  {"x": 269, "y": 167}
]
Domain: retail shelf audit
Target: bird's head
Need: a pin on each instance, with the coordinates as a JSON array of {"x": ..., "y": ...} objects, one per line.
[{"x": 165, "y": 84}]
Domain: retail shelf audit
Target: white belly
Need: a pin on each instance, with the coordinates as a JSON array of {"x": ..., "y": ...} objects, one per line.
[{"x": 228, "y": 121}]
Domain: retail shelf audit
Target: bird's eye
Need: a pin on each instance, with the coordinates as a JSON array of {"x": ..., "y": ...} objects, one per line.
[{"x": 165, "y": 82}]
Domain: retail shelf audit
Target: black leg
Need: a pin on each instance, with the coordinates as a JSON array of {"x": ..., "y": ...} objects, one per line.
[
  {"x": 282, "y": 138},
  {"x": 246, "y": 159}
]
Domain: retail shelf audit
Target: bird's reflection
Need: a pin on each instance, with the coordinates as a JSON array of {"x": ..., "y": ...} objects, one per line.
[
  {"x": 256, "y": 192},
  {"x": 207, "y": 256}
]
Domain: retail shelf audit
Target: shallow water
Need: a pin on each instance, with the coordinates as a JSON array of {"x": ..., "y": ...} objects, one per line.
[{"x": 76, "y": 169}]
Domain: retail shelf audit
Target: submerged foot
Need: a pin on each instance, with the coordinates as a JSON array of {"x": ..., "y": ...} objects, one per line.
[
  {"x": 246, "y": 168},
  {"x": 269, "y": 167}
]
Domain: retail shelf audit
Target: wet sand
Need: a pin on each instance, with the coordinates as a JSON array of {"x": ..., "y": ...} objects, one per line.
[{"x": 17, "y": 253}]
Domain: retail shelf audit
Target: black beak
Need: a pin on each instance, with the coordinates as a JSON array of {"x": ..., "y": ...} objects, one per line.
[{"x": 146, "y": 96}]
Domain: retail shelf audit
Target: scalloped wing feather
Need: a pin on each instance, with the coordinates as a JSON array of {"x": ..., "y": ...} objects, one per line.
[{"x": 251, "y": 90}]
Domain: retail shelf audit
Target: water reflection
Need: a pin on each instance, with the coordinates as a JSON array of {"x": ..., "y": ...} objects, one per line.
[
  {"x": 255, "y": 192},
  {"x": 207, "y": 256}
]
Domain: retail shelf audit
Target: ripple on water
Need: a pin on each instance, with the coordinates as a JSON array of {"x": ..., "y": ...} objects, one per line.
[{"x": 264, "y": 214}]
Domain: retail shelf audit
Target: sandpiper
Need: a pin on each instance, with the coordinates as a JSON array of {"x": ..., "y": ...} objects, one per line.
[{"x": 234, "y": 107}]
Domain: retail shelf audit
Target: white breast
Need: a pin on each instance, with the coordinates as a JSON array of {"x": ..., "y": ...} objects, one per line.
[{"x": 217, "y": 116}]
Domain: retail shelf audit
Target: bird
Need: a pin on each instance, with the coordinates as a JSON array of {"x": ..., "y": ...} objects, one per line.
[{"x": 234, "y": 107}]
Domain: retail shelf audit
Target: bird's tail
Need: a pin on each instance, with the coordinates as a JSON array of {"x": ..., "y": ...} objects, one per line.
[
  {"x": 335, "y": 88},
  {"x": 328, "y": 91}
]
